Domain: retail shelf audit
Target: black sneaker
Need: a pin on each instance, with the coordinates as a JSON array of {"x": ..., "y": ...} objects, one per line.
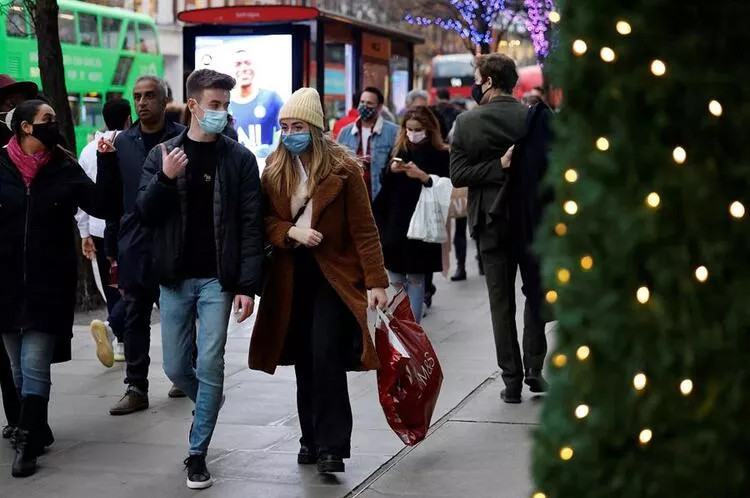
[
  {"x": 328, "y": 464},
  {"x": 306, "y": 455},
  {"x": 511, "y": 395},
  {"x": 535, "y": 381},
  {"x": 198, "y": 476}
]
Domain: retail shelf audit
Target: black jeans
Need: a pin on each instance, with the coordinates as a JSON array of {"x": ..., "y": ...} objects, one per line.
[
  {"x": 115, "y": 306},
  {"x": 326, "y": 338},
  {"x": 501, "y": 261},
  {"x": 138, "y": 306},
  {"x": 459, "y": 242},
  {"x": 11, "y": 402}
]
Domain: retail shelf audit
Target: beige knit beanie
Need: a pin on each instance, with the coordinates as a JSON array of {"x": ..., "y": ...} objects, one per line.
[{"x": 304, "y": 104}]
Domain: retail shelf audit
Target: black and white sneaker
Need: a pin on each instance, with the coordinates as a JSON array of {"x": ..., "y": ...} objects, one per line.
[{"x": 198, "y": 476}]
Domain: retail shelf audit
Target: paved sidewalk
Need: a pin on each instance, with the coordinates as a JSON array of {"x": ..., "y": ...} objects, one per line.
[{"x": 479, "y": 446}]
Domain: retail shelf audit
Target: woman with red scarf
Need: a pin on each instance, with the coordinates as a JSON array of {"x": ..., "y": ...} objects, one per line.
[{"x": 41, "y": 187}]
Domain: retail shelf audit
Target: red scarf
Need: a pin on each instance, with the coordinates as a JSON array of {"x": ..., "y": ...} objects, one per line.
[{"x": 28, "y": 165}]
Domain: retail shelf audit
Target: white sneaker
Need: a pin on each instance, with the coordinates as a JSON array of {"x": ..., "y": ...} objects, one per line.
[
  {"x": 103, "y": 347},
  {"x": 119, "y": 349}
]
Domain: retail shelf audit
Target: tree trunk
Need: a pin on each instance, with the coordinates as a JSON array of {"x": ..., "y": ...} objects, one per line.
[{"x": 52, "y": 74}]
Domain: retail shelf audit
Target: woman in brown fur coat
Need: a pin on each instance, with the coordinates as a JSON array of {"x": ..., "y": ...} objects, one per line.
[{"x": 327, "y": 255}]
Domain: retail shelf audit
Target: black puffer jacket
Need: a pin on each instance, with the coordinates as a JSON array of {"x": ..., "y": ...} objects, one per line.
[
  {"x": 37, "y": 250},
  {"x": 238, "y": 220}
]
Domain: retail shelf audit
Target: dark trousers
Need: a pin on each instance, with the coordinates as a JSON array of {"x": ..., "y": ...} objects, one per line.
[
  {"x": 115, "y": 306},
  {"x": 322, "y": 330},
  {"x": 11, "y": 402},
  {"x": 501, "y": 261},
  {"x": 138, "y": 306},
  {"x": 459, "y": 242}
]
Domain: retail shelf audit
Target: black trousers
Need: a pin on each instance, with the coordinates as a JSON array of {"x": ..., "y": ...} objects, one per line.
[
  {"x": 502, "y": 258},
  {"x": 326, "y": 338},
  {"x": 115, "y": 304},
  {"x": 138, "y": 306},
  {"x": 459, "y": 242},
  {"x": 11, "y": 401}
]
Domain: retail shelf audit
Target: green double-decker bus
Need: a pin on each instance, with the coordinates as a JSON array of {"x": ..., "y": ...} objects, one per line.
[{"x": 104, "y": 49}]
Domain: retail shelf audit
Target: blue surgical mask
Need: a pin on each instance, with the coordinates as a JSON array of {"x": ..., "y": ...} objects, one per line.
[
  {"x": 296, "y": 143},
  {"x": 213, "y": 121}
]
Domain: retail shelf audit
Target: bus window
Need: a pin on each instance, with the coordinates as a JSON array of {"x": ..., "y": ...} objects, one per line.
[
  {"x": 130, "y": 41},
  {"x": 148, "y": 44},
  {"x": 87, "y": 27},
  {"x": 92, "y": 112},
  {"x": 123, "y": 70},
  {"x": 74, "y": 101},
  {"x": 15, "y": 25},
  {"x": 113, "y": 96},
  {"x": 110, "y": 32},
  {"x": 67, "y": 27}
]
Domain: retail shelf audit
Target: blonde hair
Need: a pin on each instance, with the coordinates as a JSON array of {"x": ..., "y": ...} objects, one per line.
[{"x": 282, "y": 176}]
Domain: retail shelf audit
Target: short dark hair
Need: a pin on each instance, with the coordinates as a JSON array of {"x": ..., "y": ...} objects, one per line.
[
  {"x": 443, "y": 94},
  {"x": 25, "y": 111},
  {"x": 500, "y": 68},
  {"x": 377, "y": 92},
  {"x": 116, "y": 113},
  {"x": 203, "y": 79}
]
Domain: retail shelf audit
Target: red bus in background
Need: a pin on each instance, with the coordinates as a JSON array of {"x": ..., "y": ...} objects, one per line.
[{"x": 456, "y": 73}]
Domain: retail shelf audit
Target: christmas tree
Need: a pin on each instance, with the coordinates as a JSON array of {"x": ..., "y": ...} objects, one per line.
[{"x": 646, "y": 253}]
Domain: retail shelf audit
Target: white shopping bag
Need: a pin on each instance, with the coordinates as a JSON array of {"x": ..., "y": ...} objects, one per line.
[{"x": 428, "y": 223}]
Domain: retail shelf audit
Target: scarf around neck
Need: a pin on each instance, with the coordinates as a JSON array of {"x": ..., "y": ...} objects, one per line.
[{"x": 28, "y": 164}]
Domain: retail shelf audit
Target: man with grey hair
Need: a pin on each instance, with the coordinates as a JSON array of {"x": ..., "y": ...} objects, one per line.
[
  {"x": 135, "y": 275},
  {"x": 417, "y": 98}
]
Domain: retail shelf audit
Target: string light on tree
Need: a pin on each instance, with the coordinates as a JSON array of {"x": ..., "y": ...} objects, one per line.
[
  {"x": 554, "y": 16},
  {"x": 538, "y": 494},
  {"x": 701, "y": 273},
  {"x": 737, "y": 209},
  {"x": 563, "y": 275},
  {"x": 561, "y": 229},
  {"x": 602, "y": 144},
  {"x": 571, "y": 175},
  {"x": 658, "y": 67},
  {"x": 653, "y": 200},
  {"x": 559, "y": 360},
  {"x": 570, "y": 207},
  {"x": 714, "y": 107},
  {"x": 583, "y": 352},
  {"x": 686, "y": 387},
  {"x": 645, "y": 436},
  {"x": 623, "y": 27},
  {"x": 607, "y": 54},
  {"x": 679, "y": 155},
  {"x": 640, "y": 381},
  {"x": 581, "y": 411},
  {"x": 566, "y": 453},
  {"x": 587, "y": 262},
  {"x": 643, "y": 294},
  {"x": 580, "y": 47},
  {"x": 551, "y": 297}
]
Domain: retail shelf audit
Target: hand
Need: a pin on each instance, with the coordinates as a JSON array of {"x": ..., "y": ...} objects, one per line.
[
  {"x": 88, "y": 248},
  {"x": 306, "y": 236},
  {"x": 106, "y": 145},
  {"x": 378, "y": 299},
  {"x": 505, "y": 160},
  {"x": 243, "y": 307},
  {"x": 397, "y": 166},
  {"x": 173, "y": 164},
  {"x": 413, "y": 171}
]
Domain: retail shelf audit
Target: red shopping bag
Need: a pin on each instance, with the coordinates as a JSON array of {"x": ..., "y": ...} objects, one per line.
[{"x": 410, "y": 376}]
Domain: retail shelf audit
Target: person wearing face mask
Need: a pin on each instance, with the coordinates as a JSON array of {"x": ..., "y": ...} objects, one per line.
[
  {"x": 200, "y": 195},
  {"x": 313, "y": 311},
  {"x": 482, "y": 137},
  {"x": 41, "y": 187},
  {"x": 419, "y": 152},
  {"x": 370, "y": 138}
]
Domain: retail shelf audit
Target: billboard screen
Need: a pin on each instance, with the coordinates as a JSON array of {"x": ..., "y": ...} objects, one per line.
[{"x": 262, "y": 66}]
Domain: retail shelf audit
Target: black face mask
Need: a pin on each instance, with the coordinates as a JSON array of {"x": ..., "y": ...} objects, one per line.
[
  {"x": 47, "y": 133},
  {"x": 477, "y": 93}
]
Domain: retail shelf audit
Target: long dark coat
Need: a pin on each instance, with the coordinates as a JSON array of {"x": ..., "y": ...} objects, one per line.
[
  {"x": 349, "y": 257},
  {"x": 38, "y": 265}
]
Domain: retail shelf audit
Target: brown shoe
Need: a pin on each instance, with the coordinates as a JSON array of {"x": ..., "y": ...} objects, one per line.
[
  {"x": 176, "y": 392},
  {"x": 133, "y": 401}
]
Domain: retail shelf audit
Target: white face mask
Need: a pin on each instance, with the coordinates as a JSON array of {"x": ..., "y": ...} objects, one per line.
[{"x": 416, "y": 137}]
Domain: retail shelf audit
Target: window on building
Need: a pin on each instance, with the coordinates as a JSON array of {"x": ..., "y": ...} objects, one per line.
[
  {"x": 89, "y": 30},
  {"x": 110, "y": 32},
  {"x": 15, "y": 24},
  {"x": 67, "y": 26},
  {"x": 148, "y": 43}
]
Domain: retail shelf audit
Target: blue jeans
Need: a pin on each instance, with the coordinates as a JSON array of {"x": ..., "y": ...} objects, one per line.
[
  {"x": 30, "y": 357},
  {"x": 203, "y": 384},
  {"x": 414, "y": 285}
]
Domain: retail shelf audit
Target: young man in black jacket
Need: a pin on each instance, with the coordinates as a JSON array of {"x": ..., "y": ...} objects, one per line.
[{"x": 200, "y": 193}]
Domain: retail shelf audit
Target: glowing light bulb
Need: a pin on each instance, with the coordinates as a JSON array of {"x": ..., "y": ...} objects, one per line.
[
  {"x": 566, "y": 453},
  {"x": 551, "y": 297},
  {"x": 686, "y": 387},
  {"x": 714, "y": 107},
  {"x": 737, "y": 209},
  {"x": 623, "y": 27},
  {"x": 643, "y": 294},
  {"x": 701, "y": 273},
  {"x": 561, "y": 229},
  {"x": 607, "y": 54},
  {"x": 583, "y": 352},
  {"x": 559, "y": 360},
  {"x": 658, "y": 67},
  {"x": 570, "y": 207},
  {"x": 679, "y": 155},
  {"x": 554, "y": 16},
  {"x": 640, "y": 381},
  {"x": 538, "y": 494},
  {"x": 563, "y": 275},
  {"x": 602, "y": 144},
  {"x": 645, "y": 436},
  {"x": 582, "y": 411},
  {"x": 587, "y": 262},
  {"x": 580, "y": 47},
  {"x": 571, "y": 176},
  {"x": 653, "y": 200}
]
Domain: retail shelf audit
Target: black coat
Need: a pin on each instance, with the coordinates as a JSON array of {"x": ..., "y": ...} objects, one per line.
[
  {"x": 395, "y": 205},
  {"x": 133, "y": 240},
  {"x": 38, "y": 264},
  {"x": 238, "y": 219}
]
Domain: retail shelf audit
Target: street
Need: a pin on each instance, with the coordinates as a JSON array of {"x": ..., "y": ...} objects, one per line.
[{"x": 478, "y": 445}]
